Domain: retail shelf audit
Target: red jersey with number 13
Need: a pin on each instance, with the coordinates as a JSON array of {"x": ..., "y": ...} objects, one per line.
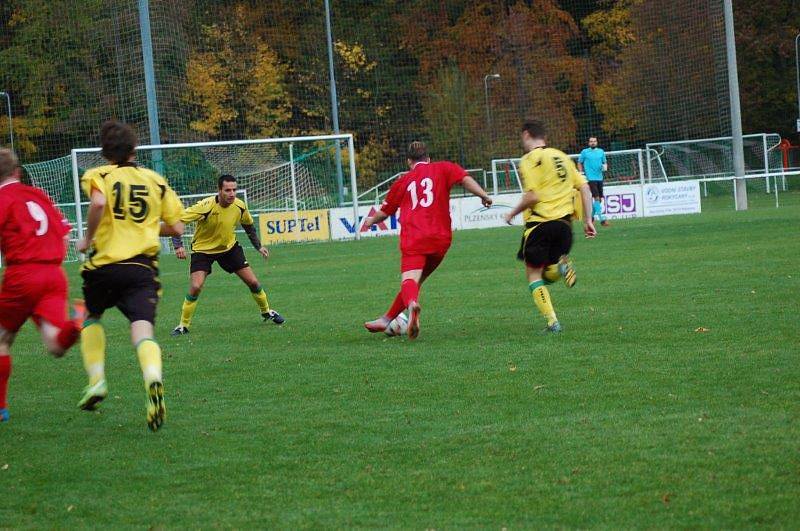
[
  {"x": 423, "y": 197},
  {"x": 32, "y": 229}
]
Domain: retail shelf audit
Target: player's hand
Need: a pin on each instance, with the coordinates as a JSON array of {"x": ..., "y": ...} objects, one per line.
[
  {"x": 82, "y": 245},
  {"x": 508, "y": 218},
  {"x": 180, "y": 252},
  {"x": 487, "y": 201},
  {"x": 264, "y": 252},
  {"x": 589, "y": 230},
  {"x": 369, "y": 222}
]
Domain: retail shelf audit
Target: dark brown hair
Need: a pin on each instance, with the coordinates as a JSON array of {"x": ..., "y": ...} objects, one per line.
[
  {"x": 535, "y": 128},
  {"x": 225, "y": 179},
  {"x": 417, "y": 151},
  {"x": 118, "y": 141}
]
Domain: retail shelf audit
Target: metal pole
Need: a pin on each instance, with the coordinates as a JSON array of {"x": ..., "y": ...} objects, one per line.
[
  {"x": 334, "y": 104},
  {"x": 797, "y": 72},
  {"x": 150, "y": 82},
  {"x": 640, "y": 159},
  {"x": 10, "y": 123},
  {"x": 766, "y": 161},
  {"x": 352, "y": 152},
  {"x": 76, "y": 188},
  {"x": 486, "y": 79},
  {"x": 740, "y": 187},
  {"x": 294, "y": 183}
]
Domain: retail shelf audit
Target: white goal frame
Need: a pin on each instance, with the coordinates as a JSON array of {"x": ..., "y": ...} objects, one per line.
[{"x": 290, "y": 140}]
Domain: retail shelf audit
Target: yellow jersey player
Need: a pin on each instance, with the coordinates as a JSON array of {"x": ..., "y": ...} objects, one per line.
[
  {"x": 550, "y": 181},
  {"x": 129, "y": 208},
  {"x": 215, "y": 241}
]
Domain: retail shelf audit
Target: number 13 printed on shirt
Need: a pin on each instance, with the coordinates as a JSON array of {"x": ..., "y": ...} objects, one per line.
[{"x": 427, "y": 193}]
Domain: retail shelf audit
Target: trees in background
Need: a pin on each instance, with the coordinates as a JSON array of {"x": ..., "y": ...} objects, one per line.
[{"x": 630, "y": 70}]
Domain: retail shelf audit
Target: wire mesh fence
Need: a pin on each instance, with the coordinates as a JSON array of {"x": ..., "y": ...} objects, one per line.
[{"x": 459, "y": 74}]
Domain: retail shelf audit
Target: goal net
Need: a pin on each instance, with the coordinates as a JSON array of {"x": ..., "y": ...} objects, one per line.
[
  {"x": 624, "y": 167},
  {"x": 273, "y": 175}
]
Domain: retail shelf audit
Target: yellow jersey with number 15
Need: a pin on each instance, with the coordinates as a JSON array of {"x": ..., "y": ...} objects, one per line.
[
  {"x": 137, "y": 200},
  {"x": 553, "y": 177}
]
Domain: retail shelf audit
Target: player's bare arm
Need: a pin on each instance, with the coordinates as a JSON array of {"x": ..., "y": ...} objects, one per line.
[
  {"x": 96, "y": 207},
  {"x": 175, "y": 230},
  {"x": 250, "y": 230},
  {"x": 375, "y": 219},
  {"x": 586, "y": 200},
  {"x": 528, "y": 200},
  {"x": 471, "y": 185}
]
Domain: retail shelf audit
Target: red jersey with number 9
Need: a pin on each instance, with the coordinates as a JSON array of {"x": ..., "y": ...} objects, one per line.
[
  {"x": 32, "y": 229},
  {"x": 423, "y": 197}
]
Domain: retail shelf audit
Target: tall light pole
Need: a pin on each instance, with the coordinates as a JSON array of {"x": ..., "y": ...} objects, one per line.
[
  {"x": 334, "y": 103},
  {"x": 486, "y": 79},
  {"x": 10, "y": 124},
  {"x": 797, "y": 72},
  {"x": 739, "y": 183}
]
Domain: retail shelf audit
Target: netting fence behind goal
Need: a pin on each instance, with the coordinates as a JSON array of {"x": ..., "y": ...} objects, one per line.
[
  {"x": 628, "y": 166},
  {"x": 273, "y": 175}
]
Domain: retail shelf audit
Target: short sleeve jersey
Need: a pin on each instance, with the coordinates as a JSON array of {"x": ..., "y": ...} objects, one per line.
[
  {"x": 32, "y": 229},
  {"x": 423, "y": 197},
  {"x": 214, "y": 232},
  {"x": 137, "y": 200},
  {"x": 593, "y": 160},
  {"x": 553, "y": 177}
]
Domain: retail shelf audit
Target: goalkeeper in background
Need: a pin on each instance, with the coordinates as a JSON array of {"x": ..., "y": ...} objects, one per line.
[
  {"x": 215, "y": 241},
  {"x": 592, "y": 163},
  {"x": 550, "y": 180}
]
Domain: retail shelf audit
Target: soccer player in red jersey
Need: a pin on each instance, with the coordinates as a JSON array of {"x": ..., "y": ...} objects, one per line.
[
  {"x": 33, "y": 243},
  {"x": 423, "y": 197}
]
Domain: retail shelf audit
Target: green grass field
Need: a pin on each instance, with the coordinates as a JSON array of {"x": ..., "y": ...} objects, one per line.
[{"x": 631, "y": 418}]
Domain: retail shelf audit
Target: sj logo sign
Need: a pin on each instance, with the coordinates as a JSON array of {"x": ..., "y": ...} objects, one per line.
[
  {"x": 343, "y": 226},
  {"x": 623, "y": 202}
]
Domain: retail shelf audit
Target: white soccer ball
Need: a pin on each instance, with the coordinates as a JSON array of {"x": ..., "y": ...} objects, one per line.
[{"x": 398, "y": 327}]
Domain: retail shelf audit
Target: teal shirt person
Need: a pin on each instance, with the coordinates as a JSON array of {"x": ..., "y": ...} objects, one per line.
[{"x": 593, "y": 161}]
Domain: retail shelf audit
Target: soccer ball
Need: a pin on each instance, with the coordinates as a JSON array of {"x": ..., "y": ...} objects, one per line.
[{"x": 398, "y": 327}]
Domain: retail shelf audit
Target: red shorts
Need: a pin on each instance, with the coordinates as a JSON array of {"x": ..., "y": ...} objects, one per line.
[
  {"x": 427, "y": 262},
  {"x": 33, "y": 290}
]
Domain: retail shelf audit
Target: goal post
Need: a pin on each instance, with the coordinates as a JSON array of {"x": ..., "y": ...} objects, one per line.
[{"x": 280, "y": 174}]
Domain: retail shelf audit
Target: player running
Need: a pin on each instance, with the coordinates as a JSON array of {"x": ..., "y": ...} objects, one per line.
[
  {"x": 130, "y": 207},
  {"x": 215, "y": 241},
  {"x": 549, "y": 180},
  {"x": 33, "y": 238},
  {"x": 423, "y": 197}
]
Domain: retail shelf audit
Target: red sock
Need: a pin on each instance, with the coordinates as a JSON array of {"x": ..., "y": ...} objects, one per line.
[
  {"x": 5, "y": 372},
  {"x": 68, "y": 335},
  {"x": 409, "y": 289},
  {"x": 397, "y": 306}
]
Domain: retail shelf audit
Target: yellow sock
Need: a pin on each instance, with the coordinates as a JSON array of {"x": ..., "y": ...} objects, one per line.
[
  {"x": 260, "y": 297},
  {"x": 187, "y": 311},
  {"x": 541, "y": 296},
  {"x": 551, "y": 274},
  {"x": 93, "y": 350},
  {"x": 149, "y": 354}
]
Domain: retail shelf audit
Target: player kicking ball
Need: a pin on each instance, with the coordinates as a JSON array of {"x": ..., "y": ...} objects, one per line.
[
  {"x": 549, "y": 180},
  {"x": 215, "y": 241},
  {"x": 33, "y": 238},
  {"x": 423, "y": 197}
]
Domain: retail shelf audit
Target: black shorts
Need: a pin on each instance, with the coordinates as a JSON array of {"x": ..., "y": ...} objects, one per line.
[
  {"x": 597, "y": 188},
  {"x": 546, "y": 242},
  {"x": 132, "y": 286},
  {"x": 231, "y": 260}
]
